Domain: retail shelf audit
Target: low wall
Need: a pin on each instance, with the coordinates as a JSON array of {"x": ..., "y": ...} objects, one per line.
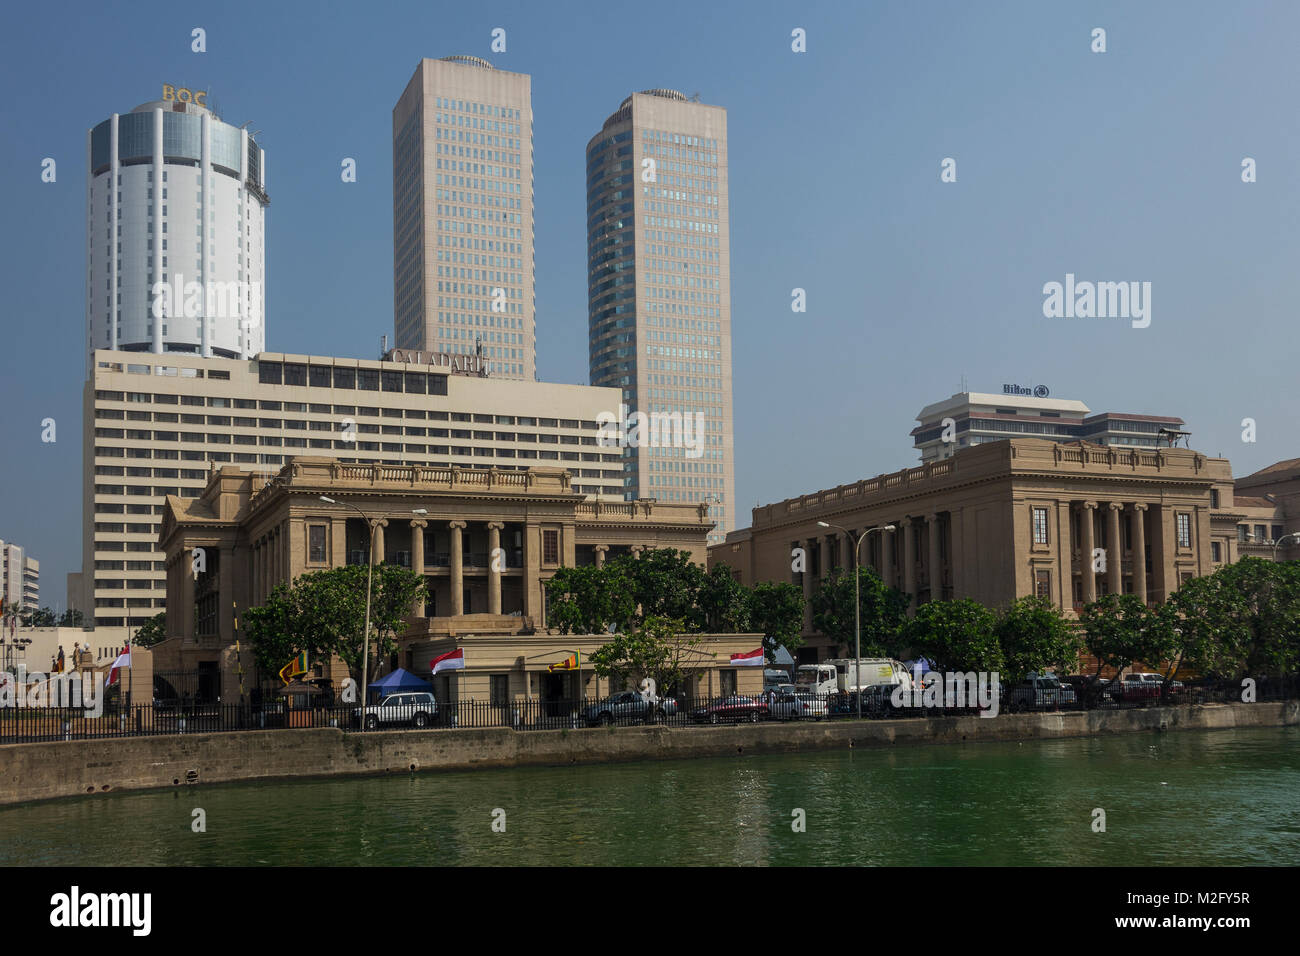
[{"x": 41, "y": 771}]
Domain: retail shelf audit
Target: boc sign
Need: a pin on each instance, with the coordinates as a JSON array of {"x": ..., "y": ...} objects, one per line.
[{"x": 180, "y": 94}]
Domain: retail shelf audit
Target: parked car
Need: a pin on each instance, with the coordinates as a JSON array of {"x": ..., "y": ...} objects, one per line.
[
  {"x": 628, "y": 707},
  {"x": 798, "y": 706},
  {"x": 1042, "y": 692},
  {"x": 416, "y": 709},
  {"x": 877, "y": 701},
  {"x": 1144, "y": 686},
  {"x": 728, "y": 709},
  {"x": 1091, "y": 690}
]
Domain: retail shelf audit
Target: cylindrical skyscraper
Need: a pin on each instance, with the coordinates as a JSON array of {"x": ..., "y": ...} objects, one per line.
[{"x": 175, "y": 256}]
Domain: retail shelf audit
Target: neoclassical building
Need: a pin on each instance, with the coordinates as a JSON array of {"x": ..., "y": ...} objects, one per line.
[
  {"x": 485, "y": 540},
  {"x": 1017, "y": 517}
]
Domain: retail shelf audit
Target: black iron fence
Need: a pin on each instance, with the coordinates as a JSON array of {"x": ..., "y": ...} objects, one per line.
[{"x": 419, "y": 711}]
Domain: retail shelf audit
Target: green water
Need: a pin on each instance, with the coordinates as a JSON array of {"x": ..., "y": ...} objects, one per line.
[{"x": 1189, "y": 798}]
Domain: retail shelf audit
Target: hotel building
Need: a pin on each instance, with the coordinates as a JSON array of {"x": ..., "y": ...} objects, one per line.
[
  {"x": 975, "y": 418},
  {"x": 175, "y": 196},
  {"x": 463, "y": 268},
  {"x": 659, "y": 289},
  {"x": 447, "y": 524},
  {"x": 1018, "y": 517},
  {"x": 157, "y": 426}
]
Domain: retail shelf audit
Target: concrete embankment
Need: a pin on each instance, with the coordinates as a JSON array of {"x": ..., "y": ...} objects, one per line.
[{"x": 41, "y": 771}]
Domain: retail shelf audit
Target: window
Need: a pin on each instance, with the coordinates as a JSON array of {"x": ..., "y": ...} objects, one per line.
[
  {"x": 1043, "y": 584},
  {"x": 1216, "y": 553},
  {"x": 499, "y": 689},
  {"x": 316, "y": 543},
  {"x": 727, "y": 682},
  {"x": 269, "y": 373},
  {"x": 1214, "y": 497},
  {"x": 550, "y": 546},
  {"x": 1184, "y": 524},
  {"x": 1040, "y": 526}
]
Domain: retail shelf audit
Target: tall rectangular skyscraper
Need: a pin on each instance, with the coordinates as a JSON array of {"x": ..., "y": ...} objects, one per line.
[
  {"x": 659, "y": 299},
  {"x": 463, "y": 270}
]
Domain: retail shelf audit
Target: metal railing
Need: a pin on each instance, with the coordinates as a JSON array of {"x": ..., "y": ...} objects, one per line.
[{"x": 20, "y": 725}]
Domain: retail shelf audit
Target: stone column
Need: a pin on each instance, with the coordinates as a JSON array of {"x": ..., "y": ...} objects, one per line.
[
  {"x": 846, "y": 551},
  {"x": 601, "y": 550},
  {"x": 377, "y": 539},
  {"x": 226, "y": 595},
  {"x": 417, "y": 560},
  {"x": 936, "y": 565},
  {"x": 956, "y": 552},
  {"x": 887, "y": 555},
  {"x": 807, "y": 588},
  {"x": 909, "y": 562},
  {"x": 187, "y": 595},
  {"x": 457, "y": 569},
  {"x": 495, "y": 563},
  {"x": 1086, "y": 510},
  {"x": 636, "y": 550},
  {"x": 1114, "y": 550},
  {"x": 1139, "y": 512}
]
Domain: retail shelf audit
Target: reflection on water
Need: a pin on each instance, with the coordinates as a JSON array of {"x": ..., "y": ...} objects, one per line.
[{"x": 1217, "y": 797}]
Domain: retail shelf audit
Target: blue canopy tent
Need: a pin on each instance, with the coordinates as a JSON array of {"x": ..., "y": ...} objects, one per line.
[{"x": 397, "y": 682}]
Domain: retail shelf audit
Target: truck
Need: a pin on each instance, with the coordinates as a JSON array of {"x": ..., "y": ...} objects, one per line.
[{"x": 841, "y": 676}]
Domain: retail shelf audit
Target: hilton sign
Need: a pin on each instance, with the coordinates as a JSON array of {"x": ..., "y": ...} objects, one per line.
[
  {"x": 459, "y": 364},
  {"x": 1038, "y": 391}
]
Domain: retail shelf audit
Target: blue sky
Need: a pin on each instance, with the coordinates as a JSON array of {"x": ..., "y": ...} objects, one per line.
[{"x": 1116, "y": 166}]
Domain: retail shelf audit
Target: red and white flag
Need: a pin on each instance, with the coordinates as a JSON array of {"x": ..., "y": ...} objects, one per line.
[
  {"x": 451, "y": 661},
  {"x": 122, "y": 660},
  {"x": 754, "y": 658}
]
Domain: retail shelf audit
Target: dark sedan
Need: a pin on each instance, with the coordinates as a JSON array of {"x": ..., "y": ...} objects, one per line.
[{"x": 729, "y": 709}]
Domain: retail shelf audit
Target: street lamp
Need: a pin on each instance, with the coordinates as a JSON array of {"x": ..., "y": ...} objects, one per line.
[
  {"x": 857, "y": 601},
  {"x": 370, "y": 573},
  {"x": 1295, "y": 535}
]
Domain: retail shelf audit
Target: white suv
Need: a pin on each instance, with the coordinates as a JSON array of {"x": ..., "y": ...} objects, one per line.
[{"x": 418, "y": 710}]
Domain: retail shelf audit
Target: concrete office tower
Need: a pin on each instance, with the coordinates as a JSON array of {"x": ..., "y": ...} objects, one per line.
[
  {"x": 659, "y": 294},
  {"x": 20, "y": 577},
  {"x": 463, "y": 271},
  {"x": 175, "y": 198}
]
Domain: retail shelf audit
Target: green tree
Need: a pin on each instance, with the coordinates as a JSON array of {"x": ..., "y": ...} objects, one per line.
[
  {"x": 589, "y": 599},
  {"x": 665, "y": 583},
  {"x": 659, "y": 648},
  {"x": 152, "y": 631},
  {"x": 957, "y": 636},
  {"x": 777, "y": 610},
  {"x": 723, "y": 602},
  {"x": 1035, "y": 636},
  {"x": 72, "y": 618},
  {"x": 1243, "y": 619},
  {"x": 323, "y": 613},
  {"x": 38, "y": 617},
  {"x": 884, "y": 613},
  {"x": 1120, "y": 629}
]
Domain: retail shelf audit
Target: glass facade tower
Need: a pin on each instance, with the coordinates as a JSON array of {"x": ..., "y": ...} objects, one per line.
[{"x": 659, "y": 302}]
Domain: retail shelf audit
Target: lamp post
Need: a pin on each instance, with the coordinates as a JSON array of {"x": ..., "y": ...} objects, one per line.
[
  {"x": 373, "y": 523},
  {"x": 857, "y": 601},
  {"x": 1294, "y": 535}
]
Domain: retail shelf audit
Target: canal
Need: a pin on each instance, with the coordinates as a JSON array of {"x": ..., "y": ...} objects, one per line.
[{"x": 1188, "y": 798}]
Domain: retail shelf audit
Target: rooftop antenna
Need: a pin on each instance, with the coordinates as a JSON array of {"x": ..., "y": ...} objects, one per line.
[{"x": 695, "y": 97}]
